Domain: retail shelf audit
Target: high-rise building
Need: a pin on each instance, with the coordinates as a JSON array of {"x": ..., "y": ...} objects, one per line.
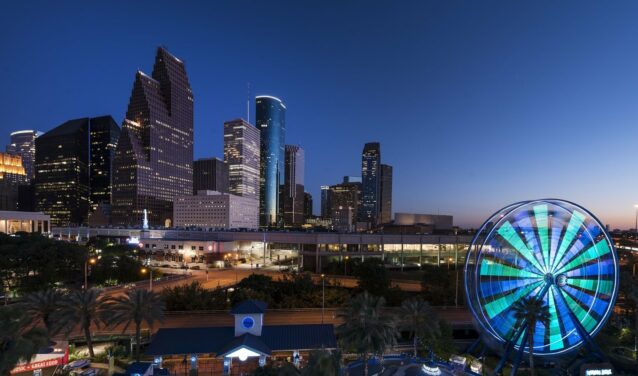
[
  {"x": 210, "y": 174},
  {"x": 270, "y": 117},
  {"x": 293, "y": 192},
  {"x": 325, "y": 201},
  {"x": 370, "y": 174},
  {"x": 154, "y": 157},
  {"x": 62, "y": 173},
  {"x": 385, "y": 194},
  {"x": 104, "y": 133},
  {"x": 307, "y": 205},
  {"x": 344, "y": 200},
  {"x": 22, "y": 143},
  {"x": 12, "y": 176},
  {"x": 242, "y": 155}
]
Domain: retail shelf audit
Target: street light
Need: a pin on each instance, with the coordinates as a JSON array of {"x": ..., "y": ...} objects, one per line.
[
  {"x": 345, "y": 266},
  {"x": 92, "y": 261},
  {"x": 323, "y": 295},
  {"x": 150, "y": 279},
  {"x": 636, "y": 225}
]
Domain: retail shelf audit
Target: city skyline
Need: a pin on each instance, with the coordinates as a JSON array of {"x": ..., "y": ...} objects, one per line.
[{"x": 476, "y": 130}]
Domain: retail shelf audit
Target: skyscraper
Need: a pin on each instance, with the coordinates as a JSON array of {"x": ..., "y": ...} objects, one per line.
[
  {"x": 325, "y": 202},
  {"x": 293, "y": 192},
  {"x": 344, "y": 203},
  {"x": 307, "y": 205},
  {"x": 385, "y": 193},
  {"x": 271, "y": 121},
  {"x": 12, "y": 176},
  {"x": 22, "y": 143},
  {"x": 154, "y": 156},
  {"x": 370, "y": 164},
  {"x": 242, "y": 155},
  {"x": 104, "y": 133},
  {"x": 73, "y": 169},
  {"x": 210, "y": 174},
  {"x": 62, "y": 173}
]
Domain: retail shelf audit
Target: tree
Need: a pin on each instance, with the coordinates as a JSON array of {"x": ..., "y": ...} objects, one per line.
[
  {"x": 633, "y": 293},
  {"x": 372, "y": 276},
  {"x": 421, "y": 319},
  {"x": 19, "y": 340},
  {"x": 137, "y": 307},
  {"x": 531, "y": 310},
  {"x": 322, "y": 363},
  {"x": 366, "y": 329},
  {"x": 45, "y": 306},
  {"x": 83, "y": 307}
]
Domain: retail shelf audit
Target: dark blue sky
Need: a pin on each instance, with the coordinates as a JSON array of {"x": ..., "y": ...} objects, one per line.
[{"x": 476, "y": 104}]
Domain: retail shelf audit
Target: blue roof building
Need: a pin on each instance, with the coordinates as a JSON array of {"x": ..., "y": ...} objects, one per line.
[{"x": 247, "y": 341}]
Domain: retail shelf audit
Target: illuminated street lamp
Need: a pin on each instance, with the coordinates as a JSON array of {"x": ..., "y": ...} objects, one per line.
[
  {"x": 92, "y": 261},
  {"x": 636, "y": 224},
  {"x": 345, "y": 266},
  {"x": 148, "y": 270}
]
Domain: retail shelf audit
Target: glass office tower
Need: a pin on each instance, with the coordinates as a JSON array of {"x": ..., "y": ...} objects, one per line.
[
  {"x": 154, "y": 156},
  {"x": 292, "y": 196},
  {"x": 241, "y": 154},
  {"x": 270, "y": 117},
  {"x": 104, "y": 133},
  {"x": 370, "y": 187},
  {"x": 23, "y": 144}
]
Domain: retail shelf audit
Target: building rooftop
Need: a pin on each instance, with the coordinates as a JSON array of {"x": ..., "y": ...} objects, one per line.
[{"x": 250, "y": 306}]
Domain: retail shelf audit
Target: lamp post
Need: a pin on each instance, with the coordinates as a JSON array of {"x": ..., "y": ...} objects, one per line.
[
  {"x": 92, "y": 261},
  {"x": 323, "y": 295},
  {"x": 150, "y": 278},
  {"x": 345, "y": 266},
  {"x": 636, "y": 224}
]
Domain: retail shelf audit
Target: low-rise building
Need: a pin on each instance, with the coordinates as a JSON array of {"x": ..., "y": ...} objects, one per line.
[
  {"x": 17, "y": 221},
  {"x": 212, "y": 209}
]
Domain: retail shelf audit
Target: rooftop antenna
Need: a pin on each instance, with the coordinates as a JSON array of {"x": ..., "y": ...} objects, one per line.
[{"x": 248, "y": 102}]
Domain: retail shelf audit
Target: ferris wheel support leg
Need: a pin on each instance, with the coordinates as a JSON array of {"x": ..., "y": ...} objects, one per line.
[
  {"x": 508, "y": 348},
  {"x": 589, "y": 343},
  {"x": 519, "y": 354},
  {"x": 473, "y": 346}
]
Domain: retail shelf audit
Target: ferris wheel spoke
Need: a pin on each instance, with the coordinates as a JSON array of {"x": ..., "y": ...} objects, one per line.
[
  {"x": 592, "y": 253},
  {"x": 497, "y": 306},
  {"x": 491, "y": 288},
  {"x": 540, "y": 214},
  {"x": 492, "y": 268},
  {"x": 585, "y": 318},
  {"x": 575, "y": 222},
  {"x": 508, "y": 233},
  {"x": 604, "y": 268},
  {"x": 555, "y": 333},
  {"x": 594, "y": 285}
]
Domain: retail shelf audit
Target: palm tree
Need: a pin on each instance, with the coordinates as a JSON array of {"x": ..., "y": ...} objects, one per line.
[
  {"x": 84, "y": 307},
  {"x": 531, "y": 310},
  {"x": 421, "y": 318},
  {"x": 19, "y": 340},
  {"x": 137, "y": 307},
  {"x": 45, "y": 306},
  {"x": 365, "y": 328}
]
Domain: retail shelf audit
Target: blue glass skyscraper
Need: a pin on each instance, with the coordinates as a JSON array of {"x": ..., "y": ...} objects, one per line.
[{"x": 270, "y": 119}]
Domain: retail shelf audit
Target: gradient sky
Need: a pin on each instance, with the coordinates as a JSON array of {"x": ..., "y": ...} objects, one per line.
[{"x": 476, "y": 104}]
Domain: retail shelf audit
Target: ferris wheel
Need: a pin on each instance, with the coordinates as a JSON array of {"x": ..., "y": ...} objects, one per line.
[{"x": 552, "y": 249}]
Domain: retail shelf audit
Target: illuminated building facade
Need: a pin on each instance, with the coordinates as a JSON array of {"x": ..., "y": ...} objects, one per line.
[
  {"x": 370, "y": 164},
  {"x": 62, "y": 173},
  {"x": 154, "y": 157},
  {"x": 210, "y": 209},
  {"x": 12, "y": 175},
  {"x": 385, "y": 194},
  {"x": 210, "y": 174},
  {"x": 271, "y": 121},
  {"x": 242, "y": 155},
  {"x": 22, "y": 143},
  {"x": 292, "y": 195},
  {"x": 104, "y": 133},
  {"x": 344, "y": 203}
]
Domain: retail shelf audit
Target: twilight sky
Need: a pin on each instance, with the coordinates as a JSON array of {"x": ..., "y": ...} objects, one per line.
[{"x": 476, "y": 104}]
